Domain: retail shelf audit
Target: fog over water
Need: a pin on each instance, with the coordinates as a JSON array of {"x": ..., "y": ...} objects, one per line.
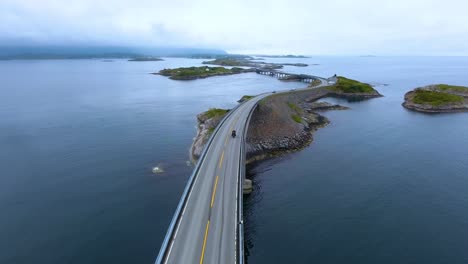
[{"x": 335, "y": 27}]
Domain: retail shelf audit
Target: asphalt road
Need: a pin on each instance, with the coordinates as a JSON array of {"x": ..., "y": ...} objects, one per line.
[{"x": 207, "y": 230}]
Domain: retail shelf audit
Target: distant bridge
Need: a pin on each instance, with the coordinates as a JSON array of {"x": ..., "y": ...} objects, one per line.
[{"x": 284, "y": 76}]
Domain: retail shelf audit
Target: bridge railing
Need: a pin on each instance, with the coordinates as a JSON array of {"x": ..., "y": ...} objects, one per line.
[
  {"x": 188, "y": 188},
  {"x": 240, "y": 194}
]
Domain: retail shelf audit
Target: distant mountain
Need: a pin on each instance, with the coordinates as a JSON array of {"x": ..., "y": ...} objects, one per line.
[{"x": 83, "y": 52}]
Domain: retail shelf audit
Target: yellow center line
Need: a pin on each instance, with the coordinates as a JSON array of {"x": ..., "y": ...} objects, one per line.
[
  {"x": 213, "y": 197},
  {"x": 214, "y": 191},
  {"x": 221, "y": 160},
  {"x": 204, "y": 242}
]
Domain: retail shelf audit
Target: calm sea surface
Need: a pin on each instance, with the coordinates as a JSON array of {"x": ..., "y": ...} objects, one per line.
[{"x": 78, "y": 139}]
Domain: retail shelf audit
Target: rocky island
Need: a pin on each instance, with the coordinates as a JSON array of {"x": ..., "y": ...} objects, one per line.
[
  {"x": 440, "y": 98},
  {"x": 284, "y": 56},
  {"x": 352, "y": 90},
  {"x": 192, "y": 73},
  {"x": 145, "y": 59},
  {"x": 240, "y": 62},
  {"x": 284, "y": 122},
  {"x": 295, "y": 64}
]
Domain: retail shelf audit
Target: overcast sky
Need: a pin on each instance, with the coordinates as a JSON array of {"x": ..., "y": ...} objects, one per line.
[{"x": 340, "y": 27}]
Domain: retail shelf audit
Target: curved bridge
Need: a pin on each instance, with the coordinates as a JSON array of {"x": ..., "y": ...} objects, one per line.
[{"x": 207, "y": 226}]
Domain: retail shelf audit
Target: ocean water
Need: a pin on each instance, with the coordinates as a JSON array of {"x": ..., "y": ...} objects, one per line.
[
  {"x": 380, "y": 184},
  {"x": 78, "y": 139}
]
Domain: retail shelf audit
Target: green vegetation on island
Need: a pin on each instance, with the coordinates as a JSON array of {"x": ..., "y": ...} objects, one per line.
[
  {"x": 215, "y": 112},
  {"x": 245, "y": 98},
  {"x": 452, "y": 88},
  {"x": 230, "y": 62},
  {"x": 437, "y": 98},
  {"x": 296, "y": 118},
  {"x": 346, "y": 85},
  {"x": 295, "y": 64},
  {"x": 191, "y": 73},
  {"x": 294, "y": 107},
  {"x": 210, "y": 130}
]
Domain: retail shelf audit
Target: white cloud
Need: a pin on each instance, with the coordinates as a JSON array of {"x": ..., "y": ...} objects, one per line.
[{"x": 429, "y": 27}]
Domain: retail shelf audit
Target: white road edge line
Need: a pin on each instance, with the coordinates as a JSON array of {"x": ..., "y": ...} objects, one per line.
[{"x": 183, "y": 212}]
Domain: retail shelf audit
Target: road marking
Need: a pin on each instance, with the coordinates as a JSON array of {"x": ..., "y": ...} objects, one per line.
[
  {"x": 221, "y": 160},
  {"x": 214, "y": 191},
  {"x": 204, "y": 242},
  {"x": 178, "y": 224}
]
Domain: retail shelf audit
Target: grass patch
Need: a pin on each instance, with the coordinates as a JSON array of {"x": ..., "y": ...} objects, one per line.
[
  {"x": 236, "y": 69},
  {"x": 296, "y": 118},
  {"x": 214, "y": 112},
  {"x": 195, "y": 72},
  {"x": 229, "y": 62},
  {"x": 294, "y": 107},
  {"x": 435, "y": 98},
  {"x": 211, "y": 130},
  {"x": 446, "y": 87},
  {"x": 246, "y": 97},
  {"x": 352, "y": 86}
]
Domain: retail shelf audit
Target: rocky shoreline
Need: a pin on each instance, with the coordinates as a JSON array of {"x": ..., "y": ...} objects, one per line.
[
  {"x": 206, "y": 125},
  {"x": 437, "y": 99},
  {"x": 281, "y": 123}
]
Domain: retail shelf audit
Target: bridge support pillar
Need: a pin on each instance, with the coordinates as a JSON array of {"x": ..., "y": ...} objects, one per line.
[{"x": 247, "y": 187}]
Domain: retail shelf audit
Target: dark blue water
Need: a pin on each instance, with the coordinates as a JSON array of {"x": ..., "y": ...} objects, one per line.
[
  {"x": 78, "y": 139},
  {"x": 380, "y": 184}
]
